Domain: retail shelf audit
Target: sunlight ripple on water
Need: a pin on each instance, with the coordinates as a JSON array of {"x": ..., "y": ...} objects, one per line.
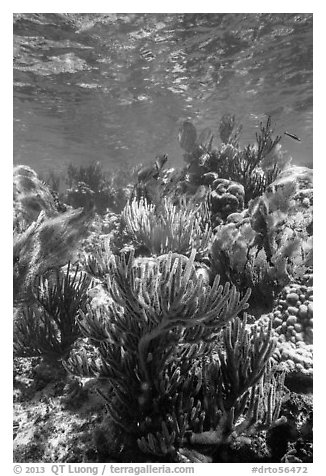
[{"x": 115, "y": 87}]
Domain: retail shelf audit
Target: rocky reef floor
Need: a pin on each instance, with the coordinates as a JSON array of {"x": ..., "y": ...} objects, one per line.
[{"x": 61, "y": 419}]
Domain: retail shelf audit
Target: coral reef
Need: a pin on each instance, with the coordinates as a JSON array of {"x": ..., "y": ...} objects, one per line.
[
  {"x": 254, "y": 167},
  {"x": 292, "y": 319},
  {"x": 52, "y": 329},
  {"x": 151, "y": 184},
  {"x": 160, "y": 318},
  {"x": 89, "y": 185},
  {"x": 144, "y": 351},
  {"x": 264, "y": 246},
  {"x": 301, "y": 176},
  {"x": 298, "y": 410},
  {"x": 293, "y": 313},
  {"x": 158, "y": 229},
  {"x": 227, "y": 198},
  {"x": 49, "y": 429}
]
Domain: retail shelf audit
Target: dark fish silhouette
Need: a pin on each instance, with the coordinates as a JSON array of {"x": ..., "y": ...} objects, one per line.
[{"x": 293, "y": 136}]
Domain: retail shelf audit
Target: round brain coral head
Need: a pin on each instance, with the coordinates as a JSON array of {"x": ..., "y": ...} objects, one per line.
[{"x": 236, "y": 189}]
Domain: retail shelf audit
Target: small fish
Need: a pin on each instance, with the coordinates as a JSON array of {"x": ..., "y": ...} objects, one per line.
[{"x": 293, "y": 136}]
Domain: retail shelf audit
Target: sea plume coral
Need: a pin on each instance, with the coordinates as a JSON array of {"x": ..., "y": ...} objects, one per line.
[
  {"x": 90, "y": 185},
  {"x": 161, "y": 317},
  {"x": 254, "y": 167},
  {"x": 52, "y": 329},
  {"x": 159, "y": 229},
  {"x": 223, "y": 397}
]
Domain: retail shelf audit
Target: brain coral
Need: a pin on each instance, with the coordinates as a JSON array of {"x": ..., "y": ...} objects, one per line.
[{"x": 226, "y": 197}]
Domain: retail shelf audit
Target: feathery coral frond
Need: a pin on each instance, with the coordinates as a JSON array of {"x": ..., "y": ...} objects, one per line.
[
  {"x": 52, "y": 331},
  {"x": 165, "y": 228}
]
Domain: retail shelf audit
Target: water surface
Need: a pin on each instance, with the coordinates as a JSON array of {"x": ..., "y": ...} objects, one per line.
[{"x": 114, "y": 87}]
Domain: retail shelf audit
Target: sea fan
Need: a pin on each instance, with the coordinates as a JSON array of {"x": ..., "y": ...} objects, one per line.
[{"x": 46, "y": 244}]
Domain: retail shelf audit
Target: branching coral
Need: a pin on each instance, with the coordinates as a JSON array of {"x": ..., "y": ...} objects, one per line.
[
  {"x": 92, "y": 176},
  {"x": 159, "y": 229},
  {"x": 228, "y": 133},
  {"x": 232, "y": 395},
  {"x": 244, "y": 166},
  {"x": 90, "y": 185},
  {"x": 52, "y": 330},
  {"x": 254, "y": 167},
  {"x": 161, "y": 314},
  {"x": 155, "y": 342}
]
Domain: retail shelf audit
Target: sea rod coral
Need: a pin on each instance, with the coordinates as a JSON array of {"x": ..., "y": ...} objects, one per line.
[
  {"x": 245, "y": 166},
  {"x": 161, "y": 316},
  {"x": 51, "y": 330}
]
